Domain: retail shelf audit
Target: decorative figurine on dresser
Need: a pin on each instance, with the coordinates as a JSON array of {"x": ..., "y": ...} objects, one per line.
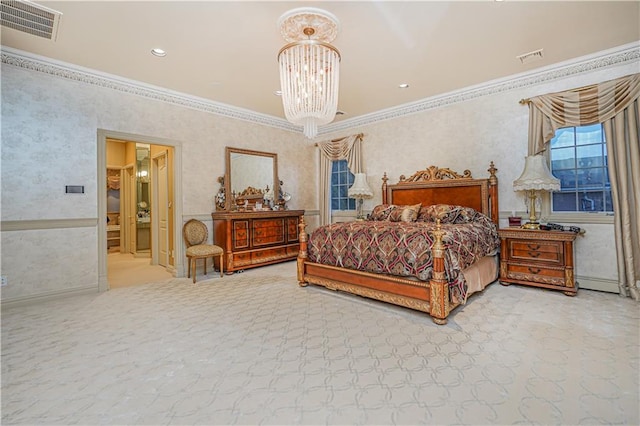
[{"x": 252, "y": 229}]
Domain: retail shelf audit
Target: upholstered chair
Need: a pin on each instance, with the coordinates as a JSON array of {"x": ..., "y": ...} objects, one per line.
[{"x": 195, "y": 235}]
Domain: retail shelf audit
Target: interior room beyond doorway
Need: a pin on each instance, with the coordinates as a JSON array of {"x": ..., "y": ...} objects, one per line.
[{"x": 140, "y": 224}]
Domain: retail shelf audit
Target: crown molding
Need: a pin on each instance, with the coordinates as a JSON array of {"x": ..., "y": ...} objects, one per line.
[
  {"x": 620, "y": 55},
  {"x": 29, "y": 61}
]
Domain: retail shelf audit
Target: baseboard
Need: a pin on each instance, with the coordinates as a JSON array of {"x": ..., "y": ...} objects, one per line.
[
  {"x": 599, "y": 284},
  {"x": 45, "y": 297}
]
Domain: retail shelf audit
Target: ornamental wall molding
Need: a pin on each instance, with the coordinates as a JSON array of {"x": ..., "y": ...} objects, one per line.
[
  {"x": 621, "y": 55},
  {"x": 91, "y": 77}
]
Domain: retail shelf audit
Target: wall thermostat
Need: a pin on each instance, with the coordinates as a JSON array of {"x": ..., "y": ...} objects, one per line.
[{"x": 74, "y": 189}]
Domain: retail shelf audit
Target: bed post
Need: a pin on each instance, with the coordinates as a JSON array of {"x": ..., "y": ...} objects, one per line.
[
  {"x": 384, "y": 188},
  {"x": 302, "y": 254},
  {"x": 439, "y": 290},
  {"x": 493, "y": 194}
]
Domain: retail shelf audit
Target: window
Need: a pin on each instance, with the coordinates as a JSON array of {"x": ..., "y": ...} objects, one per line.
[
  {"x": 341, "y": 180},
  {"x": 579, "y": 160}
]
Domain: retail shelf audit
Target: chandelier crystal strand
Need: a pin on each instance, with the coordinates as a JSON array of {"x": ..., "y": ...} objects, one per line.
[{"x": 309, "y": 68}]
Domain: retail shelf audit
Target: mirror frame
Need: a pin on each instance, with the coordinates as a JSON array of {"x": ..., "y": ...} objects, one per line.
[{"x": 227, "y": 175}]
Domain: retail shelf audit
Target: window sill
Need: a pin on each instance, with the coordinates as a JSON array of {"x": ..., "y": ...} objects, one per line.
[{"x": 596, "y": 218}]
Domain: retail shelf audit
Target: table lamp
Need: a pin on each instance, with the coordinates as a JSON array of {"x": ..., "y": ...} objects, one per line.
[
  {"x": 535, "y": 177},
  {"x": 360, "y": 190}
]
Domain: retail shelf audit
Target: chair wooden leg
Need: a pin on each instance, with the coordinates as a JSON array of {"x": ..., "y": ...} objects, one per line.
[
  {"x": 205, "y": 265},
  {"x": 195, "y": 270},
  {"x": 188, "y": 267},
  {"x": 221, "y": 265}
]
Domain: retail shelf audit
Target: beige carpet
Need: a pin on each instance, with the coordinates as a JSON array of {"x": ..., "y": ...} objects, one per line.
[
  {"x": 254, "y": 348},
  {"x": 123, "y": 270}
]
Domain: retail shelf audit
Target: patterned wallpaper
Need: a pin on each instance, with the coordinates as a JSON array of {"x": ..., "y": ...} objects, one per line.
[{"x": 49, "y": 132}]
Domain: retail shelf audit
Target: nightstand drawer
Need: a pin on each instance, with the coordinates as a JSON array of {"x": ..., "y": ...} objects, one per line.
[
  {"x": 542, "y": 251},
  {"x": 535, "y": 274}
]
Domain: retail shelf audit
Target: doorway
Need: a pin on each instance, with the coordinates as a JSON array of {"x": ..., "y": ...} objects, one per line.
[{"x": 148, "y": 212}]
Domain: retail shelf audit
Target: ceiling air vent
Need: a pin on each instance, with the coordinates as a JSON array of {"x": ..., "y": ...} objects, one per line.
[
  {"x": 531, "y": 56},
  {"x": 30, "y": 18}
]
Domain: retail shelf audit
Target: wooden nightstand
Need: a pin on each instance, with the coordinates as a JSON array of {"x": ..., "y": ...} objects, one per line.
[{"x": 538, "y": 258}]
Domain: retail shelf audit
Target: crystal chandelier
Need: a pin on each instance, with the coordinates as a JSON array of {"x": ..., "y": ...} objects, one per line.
[{"x": 309, "y": 68}]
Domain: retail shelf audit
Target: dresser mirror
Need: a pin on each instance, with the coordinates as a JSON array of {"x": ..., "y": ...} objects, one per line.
[{"x": 249, "y": 175}]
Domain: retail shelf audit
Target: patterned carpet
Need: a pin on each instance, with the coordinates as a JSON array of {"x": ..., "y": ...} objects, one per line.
[{"x": 254, "y": 348}]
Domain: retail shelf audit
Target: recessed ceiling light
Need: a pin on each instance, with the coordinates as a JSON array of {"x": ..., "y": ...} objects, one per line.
[
  {"x": 278, "y": 93},
  {"x": 158, "y": 52},
  {"x": 403, "y": 85}
]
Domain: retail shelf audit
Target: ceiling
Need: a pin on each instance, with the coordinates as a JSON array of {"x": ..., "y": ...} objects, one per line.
[{"x": 225, "y": 51}]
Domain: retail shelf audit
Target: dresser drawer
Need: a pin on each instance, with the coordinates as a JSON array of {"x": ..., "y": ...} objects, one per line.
[
  {"x": 240, "y": 234},
  {"x": 266, "y": 232},
  {"x": 269, "y": 254},
  {"x": 541, "y": 251},
  {"x": 292, "y": 229},
  {"x": 241, "y": 259}
]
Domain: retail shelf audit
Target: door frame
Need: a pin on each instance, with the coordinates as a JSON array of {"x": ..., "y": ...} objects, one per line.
[{"x": 103, "y": 135}]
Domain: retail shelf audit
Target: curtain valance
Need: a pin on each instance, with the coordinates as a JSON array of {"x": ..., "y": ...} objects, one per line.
[
  {"x": 349, "y": 148},
  {"x": 584, "y": 106}
]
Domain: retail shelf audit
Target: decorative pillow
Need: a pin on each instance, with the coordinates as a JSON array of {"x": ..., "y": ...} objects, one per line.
[
  {"x": 447, "y": 213},
  {"x": 405, "y": 213},
  {"x": 426, "y": 214},
  {"x": 382, "y": 211}
]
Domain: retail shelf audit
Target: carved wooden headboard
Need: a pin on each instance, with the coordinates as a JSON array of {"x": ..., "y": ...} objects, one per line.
[{"x": 444, "y": 186}]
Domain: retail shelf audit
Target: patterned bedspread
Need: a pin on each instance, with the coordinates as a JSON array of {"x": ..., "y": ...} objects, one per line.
[{"x": 404, "y": 248}]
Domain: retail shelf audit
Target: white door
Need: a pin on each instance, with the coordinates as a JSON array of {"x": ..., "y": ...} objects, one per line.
[
  {"x": 130, "y": 215},
  {"x": 162, "y": 185}
]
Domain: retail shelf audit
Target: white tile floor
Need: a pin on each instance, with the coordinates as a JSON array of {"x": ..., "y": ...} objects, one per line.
[{"x": 254, "y": 348}]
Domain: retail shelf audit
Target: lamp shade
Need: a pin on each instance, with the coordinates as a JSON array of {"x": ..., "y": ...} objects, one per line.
[
  {"x": 536, "y": 176},
  {"x": 360, "y": 187}
]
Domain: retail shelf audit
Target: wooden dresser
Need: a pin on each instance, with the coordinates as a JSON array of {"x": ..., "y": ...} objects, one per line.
[
  {"x": 538, "y": 258},
  {"x": 251, "y": 239}
]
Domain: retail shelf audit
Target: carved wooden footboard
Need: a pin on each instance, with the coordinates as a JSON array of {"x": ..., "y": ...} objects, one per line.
[
  {"x": 430, "y": 186},
  {"x": 431, "y": 297}
]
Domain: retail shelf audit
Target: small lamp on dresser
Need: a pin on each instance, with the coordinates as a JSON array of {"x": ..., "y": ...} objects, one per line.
[
  {"x": 535, "y": 177},
  {"x": 360, "y": 190}
]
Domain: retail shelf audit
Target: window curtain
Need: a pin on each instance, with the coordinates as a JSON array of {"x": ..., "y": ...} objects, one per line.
[
  {"x": 349, "y": 148},
  {"x": 613, "y": 103}
]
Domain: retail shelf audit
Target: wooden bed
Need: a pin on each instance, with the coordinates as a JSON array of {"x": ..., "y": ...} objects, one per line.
[{"x": 428, "y": 187}]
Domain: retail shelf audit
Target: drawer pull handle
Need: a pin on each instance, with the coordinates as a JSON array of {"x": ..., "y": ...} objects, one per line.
[
  {"x": 534, "y": 270},
  {"x": 533, "y": 247},
  {"x": 534, "y": 253}
]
